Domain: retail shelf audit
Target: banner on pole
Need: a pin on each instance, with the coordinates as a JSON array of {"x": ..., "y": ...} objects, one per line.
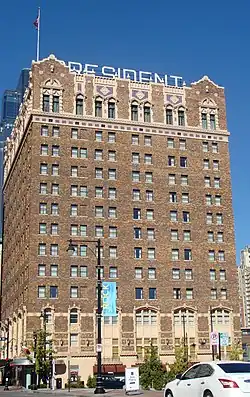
[{"x": 109, "y": 299}]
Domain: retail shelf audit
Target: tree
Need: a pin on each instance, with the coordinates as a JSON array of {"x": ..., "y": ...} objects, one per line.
[
  {"x": 236, "y": 352},
  {"x": 181, "y": 363},
  {"x": 152, "y": 373}
]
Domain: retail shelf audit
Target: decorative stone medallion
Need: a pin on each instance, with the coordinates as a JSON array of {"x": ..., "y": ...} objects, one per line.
[
  {"x": 174, "y": 99},
  {"x": 104, "y": 90},
  {"x": 140, "y": 95}
]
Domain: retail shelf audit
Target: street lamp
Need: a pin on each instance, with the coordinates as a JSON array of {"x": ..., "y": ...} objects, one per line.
[{"x": 71, "y": 249}]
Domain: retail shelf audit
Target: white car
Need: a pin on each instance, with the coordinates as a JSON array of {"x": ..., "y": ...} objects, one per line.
[{"x": 212, "y": 379}]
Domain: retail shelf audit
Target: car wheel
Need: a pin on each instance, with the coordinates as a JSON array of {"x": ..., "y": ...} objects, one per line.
[
  {"x": 168, "y": 393},
  {"x": 208, "y": 394}
]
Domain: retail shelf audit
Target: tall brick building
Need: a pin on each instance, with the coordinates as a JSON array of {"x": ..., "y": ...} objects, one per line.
[{"x": 143, "y": 166}]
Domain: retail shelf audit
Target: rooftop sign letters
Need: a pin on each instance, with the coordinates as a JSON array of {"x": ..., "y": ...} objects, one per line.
[{"x": 131, "y": 74}]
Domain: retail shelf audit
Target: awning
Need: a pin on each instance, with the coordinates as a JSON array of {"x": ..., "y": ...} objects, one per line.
[{"x": 115, "y": 368}]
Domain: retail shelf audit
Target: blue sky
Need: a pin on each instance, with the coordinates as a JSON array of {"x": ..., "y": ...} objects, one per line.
[{"x": 187, "y": 38}]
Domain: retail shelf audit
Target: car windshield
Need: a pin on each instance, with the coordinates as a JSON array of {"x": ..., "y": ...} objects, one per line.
[{"x": 233, "y": 368}]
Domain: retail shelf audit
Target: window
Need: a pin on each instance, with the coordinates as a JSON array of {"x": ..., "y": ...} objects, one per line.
[
  {"x": 74, "y": 210},
  {"x": 83, "y": 250},
  {"x": 83, "y": 271},
  {"x": 212, "y": 122},
  {"x": 99, "y": 231},
  {"x": 73, "y": 271},
  {"x": 172, "y": 197},
  {"x": 214, "y": 147},
  {"x": 223, "y": 293},
  {"x": 55, "y": 104},
  {"x": 150, "y": 234},
  {"x": 41, "y": 293},
  {"x": 152, "y": 293},
  {"x": 171, "y": 179},
  {"x": 139, "y": 293},
  {"x": 150, "y": 215},
  {"x": 177, "y": 293},
  {"x": 73, "y": 319},
  {"x": 113, "y": 252},
  {"x": 136, "y": 194},
  {"x": 98, "y": 108},
  {"x": 112, "y": 155},
  {"x": 173, "y": 216},
  {"x": 206, "y": 165},
  {"x": 135, "y": 158},
  {"x": 83, "y": 230},
  {"x": 99, "y": 173},
  {"x": 183, "y": 162},
  {"x": 204, "y": 120},
  {"x": 134, "y": 112},
  {"x": 138, "y": 272},
  {"x": 99, "y": 192},
  {"x": 111, "y": 109},
  {"x": 212, "y": 274},
  {"x": 55, "y": 189},
  {"x": 137, "y": 253},
  {"x": 135, "y": 176},
  {"x": 73, "y": 230},
  {"x": 43, "y": 208},
  {"x": 169, "y": 116},
  {"x": 112, "y": 174},
  {"x": 41, "y": 270},
  {"x": 42, "y": 228},
  {"x": 171, "y": 161},
  {"x": 112, "y": 212},
  {"x": 219, "y": 219},
  {"x": 210, "y": 237},
  {"x": 183, "y": 144},
  {"x": 135, "y": 139},
  {"x": 55, "y": 169},
  {"x": 221, "y": 255},
  {"x": 207, "y": 181},
  {"x": 83, "y": 153},
  {"x": 54, "y": 249},
  {"x": 175, "y": 254},
  {"x": 189, "y": 293},
  {"x": 73, "y": 340},
  {"x": 98, "y": 154},
  {"x": 53, "y": 292},
  {"x": 74, "y": 171},
  {"x": 209, "y": 218},
  {"x": 181, "y": 117},
  {"x": 54, "y": 270},
  {"x": 112, "y": 232},
  {"x": 149, "y": 195},
  {"x": 217, "y": 183},
  {"x": 74, "y": 292},
  {"x": 42, "y": 249},
  {"x": 147, "y": 140},
  {"x": 98, "y": 136},
  {"x": 43, "y": 188},
  {"x": 44, "y": 130},
  {"x": 217, "y": 200},
  {"x": 46, "y": 103},
  {"x": 174, "y": 235},
  {"x": 186, "y": 216},
  {"x": 74, "y": 133},
  {"x": 74, "y": 152},
  {"x": 186, "y": 235},
  {"x": 112, "y": 193},
  {"x": 213, "y": 293},
  {"x": 216, "y": 165},
  {"x": 184, "y": 180},
  {"x": 185, "y": 198},
  {"x": 55, "y": 150},
  {"x": 211, "y": 255},
  {"x": 188, "y": 274},
  {"x": 44, "y": 169},
  {"x": 170, "y": 143},
  {"x": 55, "y": 132},
  {"x": 137, "y": 232},
  {"x": 151, "y": 273},
  {"x": 147, "y": 113},
  {"x": 148, "y": 158},
  {"x": 151, "y": 253},
  {"x": 54, "y": 209},
  {"x": 187, "y": 254},
  {"x": 83, "y": 191},
  {"x": 136, "y": 213},
  {"x": 44, "y": 150},
  {"x": 111, "y": 137},
  {"x": 148, "y": 177},
  {"x": 113, "y": 272},
  {"x": 220, "y": 237},
  {"x": 223, "y": 275},
  {"x": 208, "y": 199},
  {"x": 175, "y": 274}
]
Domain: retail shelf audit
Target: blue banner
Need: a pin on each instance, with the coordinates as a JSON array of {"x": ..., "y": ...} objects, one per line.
[{"x": 109, "y": 299}]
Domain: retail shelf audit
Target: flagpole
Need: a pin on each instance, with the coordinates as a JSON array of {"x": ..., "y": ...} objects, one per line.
[{"x": 38, "y": 37}]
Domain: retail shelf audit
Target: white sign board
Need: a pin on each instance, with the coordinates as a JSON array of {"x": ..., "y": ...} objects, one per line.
[
  {"x": 224, "y": 339},
  {"x": 132, "y": 379},
  {"x": 214, "y": 338}
]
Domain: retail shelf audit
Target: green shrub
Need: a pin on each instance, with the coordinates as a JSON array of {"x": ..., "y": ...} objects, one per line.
[{"x": 91, "y": 382}]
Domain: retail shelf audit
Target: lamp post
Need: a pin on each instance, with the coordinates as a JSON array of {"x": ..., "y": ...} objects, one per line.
[
  {"x": 44, "y": 318},
  {"x": 71, "y": 249}
]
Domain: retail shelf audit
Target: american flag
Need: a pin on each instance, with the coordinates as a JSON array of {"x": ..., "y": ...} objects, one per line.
[{"x": 36, "y": 22}]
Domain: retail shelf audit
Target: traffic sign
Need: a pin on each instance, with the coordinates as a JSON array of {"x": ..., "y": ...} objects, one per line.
[
  {"x": 214, "y": 338},
  {"x": 224, "y": 339},
  {"x": 98, "y": 348}
]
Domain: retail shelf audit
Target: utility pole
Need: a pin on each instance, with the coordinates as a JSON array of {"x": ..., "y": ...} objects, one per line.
[{"x": 212, "y": 328}]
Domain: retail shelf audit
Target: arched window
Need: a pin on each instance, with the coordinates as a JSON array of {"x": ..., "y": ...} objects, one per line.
[
  {"x": 73, "y": 316},
  {"x": 79, "y": 105},
  {"x": 146, "y": 317},
  {"x": 184, "y": 317},
  {"x": 134, "y": 111},
  {"x": 181, "y": 117},
  {"x": 220, "y": 316},
  {"x": 98, "y": 107},
  {"x": 147, "y": 113},
  {"x": 111, "y": 109},
  {"x": 208, "y": 114},
  {"x": 169, "y": 115}
]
